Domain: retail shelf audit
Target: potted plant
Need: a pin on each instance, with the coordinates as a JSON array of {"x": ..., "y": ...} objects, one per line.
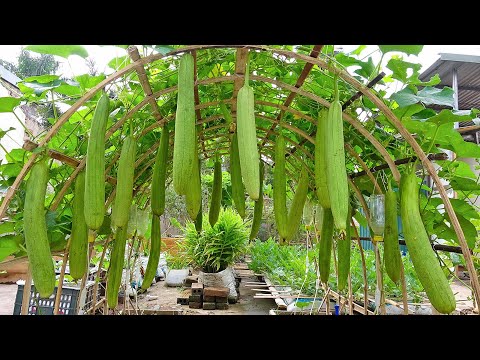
[{"x": 214, "y": 249}]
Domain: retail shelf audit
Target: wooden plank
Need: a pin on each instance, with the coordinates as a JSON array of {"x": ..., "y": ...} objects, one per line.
[
  {"x": 356, "y": 306},
  {"x": 280, "y": 303},
  {"x": 100, "y": 302},
  {"x": 267, "y": 296},
  {"x": 268, "y": 290},
  {"x": 241, "y": 267},
  {"x": 332, "y": 294}
]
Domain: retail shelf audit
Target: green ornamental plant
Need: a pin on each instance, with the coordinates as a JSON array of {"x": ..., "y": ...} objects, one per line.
[{"x": 215, "y": 248}]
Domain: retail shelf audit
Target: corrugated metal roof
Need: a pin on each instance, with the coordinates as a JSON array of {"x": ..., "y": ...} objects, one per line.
[
  {"x": 8, "y": 76},
  {"x": 468, "y": 75}
]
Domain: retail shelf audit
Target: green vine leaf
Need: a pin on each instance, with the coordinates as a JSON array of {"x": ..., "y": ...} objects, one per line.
[
  {"x": 407, "y": 49},
  {"x": 60, "y": 50},
  {"x": 7, "y": 104},
  {"x": 8, "y": 246},
  {"x": 426, "y": 96}
]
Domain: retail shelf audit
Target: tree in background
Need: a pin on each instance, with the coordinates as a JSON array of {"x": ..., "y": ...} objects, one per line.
[
  {"x": 28, "y": 65},
  {"x": 9, "y": 66},
  {"x": 92, "y": 66},
  {"x": 35, "y": 65}
]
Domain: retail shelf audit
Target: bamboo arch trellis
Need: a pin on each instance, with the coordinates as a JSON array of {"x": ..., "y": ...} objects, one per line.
[
  {"x": 170, "y": 117},
  {"x": 287, "y": 54},
  {"x": 355, "y": 123}
]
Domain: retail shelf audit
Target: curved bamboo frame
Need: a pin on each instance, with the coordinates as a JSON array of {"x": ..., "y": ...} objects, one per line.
[{"x": 365, "y": 91}]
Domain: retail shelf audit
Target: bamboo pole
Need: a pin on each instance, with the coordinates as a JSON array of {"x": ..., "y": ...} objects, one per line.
[
  {"x": 379, "y": 273},
  {"x": 404, "y": 289},
  {"x": 27, "y": 288},
  {"x": 378, "y": 263},
  {"x": 441, "y": 156},
  {"x": 85, "y": 276},
  {"x": 60, "y": 279},
  {"x": 350, "y": 295},
  {"x": 65, "y": 159},
  {"x": 142, "y": 77},
  {"x": 97, "y": 275},
  {"x": 364, "y": 269}
]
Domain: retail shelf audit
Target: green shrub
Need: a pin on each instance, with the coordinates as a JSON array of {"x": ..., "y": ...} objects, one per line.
[{"x": 215, "y": 248}]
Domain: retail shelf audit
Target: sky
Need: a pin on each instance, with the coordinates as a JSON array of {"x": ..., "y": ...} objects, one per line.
[{"x": 75, "y": 65}]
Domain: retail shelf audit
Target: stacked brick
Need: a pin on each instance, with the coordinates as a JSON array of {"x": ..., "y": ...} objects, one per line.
[{"x": 209, "y": 298}]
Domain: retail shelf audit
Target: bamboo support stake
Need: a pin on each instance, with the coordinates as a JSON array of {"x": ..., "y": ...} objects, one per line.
[
  {"x": 142, "y": 77},
  {"x": 97, "y": 275},
  {"x": 364, "y": 268},
  {"x": 378, "y": 264},
  {"x": 85, "y": 276},
  {"x": 60, "y": 279},
  {"x": 27, "y": 289},
  {"x": 323, "y": 298},
  {"x": 404, "y": 289},
  {"x": 378, "y": 260},
  {"x": 350, "y": 295},
  {"x": 105, "y": 306},
  {"x": 379, "y": 273},
  {"x": 327, "y": 299}
]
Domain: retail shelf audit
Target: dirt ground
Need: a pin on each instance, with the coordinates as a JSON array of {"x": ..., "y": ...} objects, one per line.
[
  {"x": 463, "y": 297},
  {"x": 8, "y": 292},
  {"x": 161, "y": 297}
]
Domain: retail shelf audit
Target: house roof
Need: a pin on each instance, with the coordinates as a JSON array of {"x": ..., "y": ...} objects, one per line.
[
  {"x": 468, "y": 76},
  {"x": 9, "y": 76}
]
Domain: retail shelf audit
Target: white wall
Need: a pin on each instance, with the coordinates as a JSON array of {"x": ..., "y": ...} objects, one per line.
[{"x": 14, "y": 138}]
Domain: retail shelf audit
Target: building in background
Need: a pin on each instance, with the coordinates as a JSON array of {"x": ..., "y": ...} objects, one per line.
[
  {"x": 28, "y": 114},
  {"x": 462, "y": 74}
]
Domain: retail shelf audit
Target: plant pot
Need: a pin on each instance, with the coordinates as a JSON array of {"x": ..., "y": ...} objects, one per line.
[{"x": 224, "y": 278}]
